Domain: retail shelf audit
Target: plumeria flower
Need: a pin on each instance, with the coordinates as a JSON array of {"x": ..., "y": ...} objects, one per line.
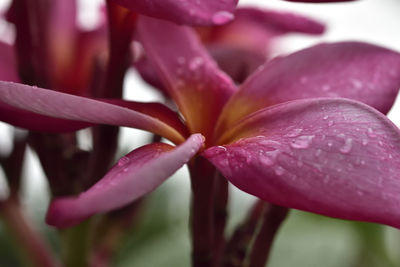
[
  {"x": 245, "y": 43},
  {"x": 295, "y": 134}
]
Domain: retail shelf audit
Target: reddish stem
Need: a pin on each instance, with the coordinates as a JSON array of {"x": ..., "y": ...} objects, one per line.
[
  {"x": 202, "y": 217},
  {"x": 273, "y": 218},
  {"x": 220, "y": 215},
  {"x": 29, "y": 240},
  {"x": 238, "y": 245}
]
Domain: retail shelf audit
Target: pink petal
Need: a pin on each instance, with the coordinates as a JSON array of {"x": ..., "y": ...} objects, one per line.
[
  {"x": 330, "y": 156},
  {"x": 36, "y": 122},
  {"x": 8, "y": 63},
  {"x": 358, "y": 71},
  {"x": 134, "y": 176},
  {"x": 244, "y": 44},
  {"x": 192, "y": 78},
  {"x": 65, "y": 106},
  {"x": 191, "y": 12}
]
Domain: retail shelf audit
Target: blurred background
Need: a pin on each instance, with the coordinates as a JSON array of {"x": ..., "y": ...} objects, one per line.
[{"x": 161, "y": 236}]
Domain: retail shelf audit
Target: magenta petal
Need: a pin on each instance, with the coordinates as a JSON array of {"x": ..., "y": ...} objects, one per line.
[
  {"x": 191, "y": 12},
  {"x": 334, "y": 157},
  {"x": 8, "y": 63},
  {"x": 190, "y": 75},
  {"x": 134, "y": 176},
  {"x": 244, "y": 44},
  {"x": 36, "y": 122},
  {"x": 359, "y": 71},
  {"x": 65, "y": 106}
]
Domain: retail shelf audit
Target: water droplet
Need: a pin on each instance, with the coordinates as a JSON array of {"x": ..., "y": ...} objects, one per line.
[
  {"x": 346, "y": 148},
  {"x": 364, "y": 142},
  {"x": 325, "y": 117},
  {"x": 267, "y": 161},
  {"x": 279, "y": 171},
  {"x": 303, "y": 80},
  {"x": 330, "y": 123},
  {"x": 181, "y": 60},
  {"x": 222, "y": 17},
  {"x": 299, "y": 163},
  {"x": 302, "y": 142},
  {"x": 294, "y": 133},
  {"x": 356, "y": 83},
  {"x": 125, "y": 169},
  {"x": 326, "y": 88},
  {"x": 195, "y": 63},
  {"x": 371, "y": 133},
  {"x": 123, "y": 161}
]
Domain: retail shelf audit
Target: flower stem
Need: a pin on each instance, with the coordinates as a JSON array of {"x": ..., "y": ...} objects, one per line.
[
  {"x": 220, "y": 216},
  {"x": 28, "y": 239},
  {"x": 239, "y": 243},
  {"x": 273, "y": 218},
  {"x": 202, "y": 216},
  {"x": 76, "y": 245}
]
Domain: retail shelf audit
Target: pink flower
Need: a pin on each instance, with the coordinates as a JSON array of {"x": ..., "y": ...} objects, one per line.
[
  {"x": 290, "y": 135},
  {"x": 244, "y": 44}
]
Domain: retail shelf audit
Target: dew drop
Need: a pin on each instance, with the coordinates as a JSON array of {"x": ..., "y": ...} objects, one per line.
[
  {"x": 330, "y": 123},
  {"x": 346, "y": 148},
  {"x": 364, "y": 142},
  {"x": 299, "y": 163},
  {"x": 294, "y": 133},
  {"x": 123, "y": 161},
  {"x": 326, "y": 88},
  {"x": 195, "y": 63},
  {"x": 302, "y": 142},
  {"x": 279, "y": 171},
  {"x": 325, "y": 117},
  {"x": 371, "y": 133},
  {"x": 181, "y": 60},
  {"x": 222, "y": 17},
  {"x": 267, "y": 161}
]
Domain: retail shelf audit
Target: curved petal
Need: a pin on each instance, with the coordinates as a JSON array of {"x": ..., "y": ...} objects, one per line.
[
  {"x": 8, "y": 63},
  {"x": 191, "y": 12},
  {"x": 36, "y": 122},
  {"x": 134, "y": 176},
  {"x": 244, "y": 44},
  {"x": 64, "y": 106},
  {"x": 334, "y": 157},
  {"x": 359, "y": 71},
  {"x": 192, "y": 78}
]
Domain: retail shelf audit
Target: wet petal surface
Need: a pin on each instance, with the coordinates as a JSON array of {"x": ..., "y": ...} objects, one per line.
[
  {"x": 135, "y": 175},
  {"x": 334, "y": 157}
]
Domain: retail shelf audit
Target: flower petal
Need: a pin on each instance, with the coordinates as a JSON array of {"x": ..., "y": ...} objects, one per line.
[
  {"x": 354, "y": 70},
  {"x": 191, "y": 12},
  {"x": 36, "y": 122},
  {"x": 8, "y": 63},
  {"x": 65, "y": 106},
  {"x": 192, "y": 78},
  {"x": 334, "y": 157},
  {"x": 134, "y": 176}
]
